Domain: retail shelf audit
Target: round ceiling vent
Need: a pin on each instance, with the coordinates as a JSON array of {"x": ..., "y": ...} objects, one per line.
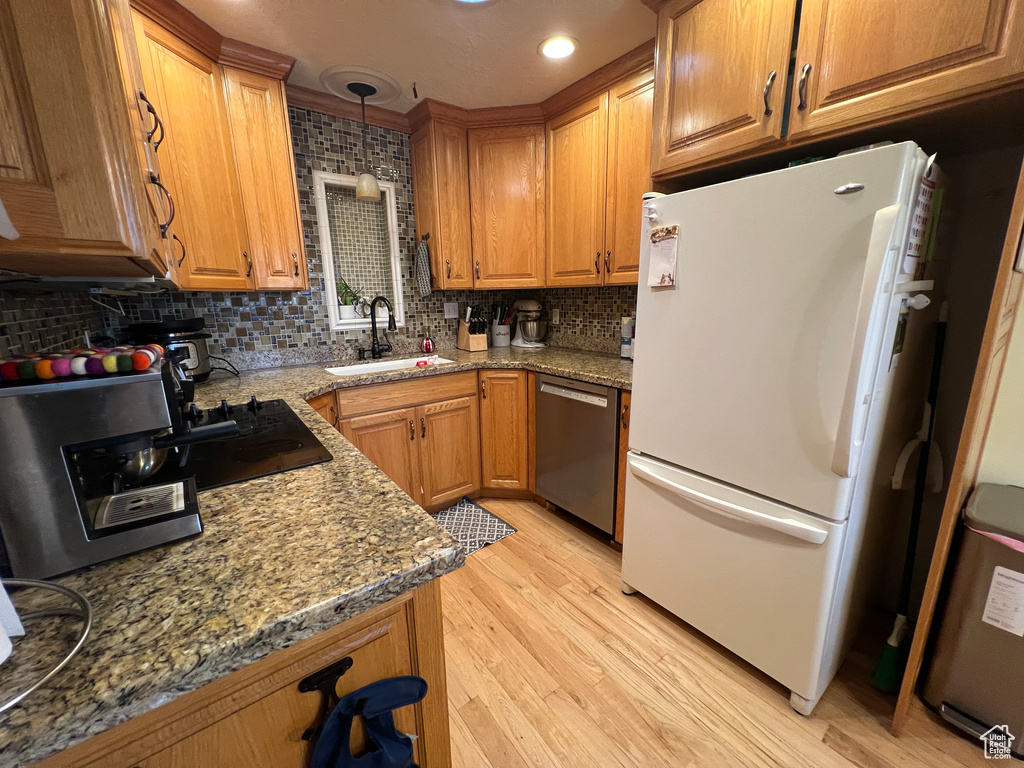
[{"x": 337, "y": 80}]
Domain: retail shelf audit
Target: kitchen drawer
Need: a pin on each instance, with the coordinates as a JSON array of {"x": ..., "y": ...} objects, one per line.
[{"x": 373, "y": 398}]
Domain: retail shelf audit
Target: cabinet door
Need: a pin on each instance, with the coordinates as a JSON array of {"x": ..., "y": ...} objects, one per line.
[
  {"x": 262, "y": 142},
  {"x": 269, "y": 731},
  {"x": 326, "y": 406},
  {"x": 197, "y": 159},
  {"x": 577, "y": 157},
  {"x": 712, "y": 69},
  {"x": 629, "y": 175},
  {"x": 620, "y": 483},
  {"x": 876, "y": 59},
  {"x": 506, "y": 184},
  {"x": 440, "y": 171},
  {"x": 503, "y": 429},
  {"x": 389, "y": 440},
  {"x": 71, "y": 180},
  {"x": 449, "y": 447}
]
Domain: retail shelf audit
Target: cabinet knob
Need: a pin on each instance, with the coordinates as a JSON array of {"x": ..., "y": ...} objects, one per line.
[
  {"x": 768, "y": 92},
  {"x": 296, "y": 260},
  {"x": 802, "y": 87},
  {"x": 174, "y": 236}
]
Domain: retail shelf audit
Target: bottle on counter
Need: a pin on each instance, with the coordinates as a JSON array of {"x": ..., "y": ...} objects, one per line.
[{"x": 626, "y": 341}]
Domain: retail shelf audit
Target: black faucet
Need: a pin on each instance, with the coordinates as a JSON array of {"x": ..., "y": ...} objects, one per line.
[{"x": 377, "y": 349}]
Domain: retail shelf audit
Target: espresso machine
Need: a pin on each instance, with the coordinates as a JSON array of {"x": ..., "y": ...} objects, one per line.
[{"x": 77, "y": 465}]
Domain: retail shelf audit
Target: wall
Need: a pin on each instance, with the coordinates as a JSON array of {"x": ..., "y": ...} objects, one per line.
[
  {"x": 273, "y": 328},
  {"x": 1003, "y": 458},
  {"x": 40, "y": 322}
]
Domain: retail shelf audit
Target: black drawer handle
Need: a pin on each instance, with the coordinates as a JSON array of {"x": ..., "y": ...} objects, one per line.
[{"x": 325, "y": 681}]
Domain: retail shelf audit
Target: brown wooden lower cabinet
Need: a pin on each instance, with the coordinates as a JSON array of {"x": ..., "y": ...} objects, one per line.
[
  {"x": 257, "y": 715},
  {"x": 325, "y": 405},
  {"x": 504, "y": 428},
  {"x": 449, "y": 433},
  {"x": 388, "y": 439}
]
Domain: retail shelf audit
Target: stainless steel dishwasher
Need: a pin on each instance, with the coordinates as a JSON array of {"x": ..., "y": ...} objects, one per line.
[{"x": 577, "y": 434}]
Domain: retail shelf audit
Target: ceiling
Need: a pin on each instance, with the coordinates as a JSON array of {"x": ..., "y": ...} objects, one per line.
[{"x": 482, "y": 55}]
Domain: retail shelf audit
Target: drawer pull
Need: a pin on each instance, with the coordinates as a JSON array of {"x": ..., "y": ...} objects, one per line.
[
  {"x": 248, "y": 261},
  {"x": 158, "y": 124},
  {"x": 768, "y": 93},
  {"x": 625, "y": 416},
  {"x": 478, "y": 270},
  {"x": 174, "y": 236},
  {"x": 412, "y": 430},
  {"x": 597, "y": 263},
  {"x": 325, "y": 681},
  {"x": 448, "y": 264},
  {"x": 423, "y": 427},
  {"x": 802, "y": 87},
  {"x": 607, "y": 256},
  {"x": 296, "y": 260},
  {"x": 155, "y": 181}
]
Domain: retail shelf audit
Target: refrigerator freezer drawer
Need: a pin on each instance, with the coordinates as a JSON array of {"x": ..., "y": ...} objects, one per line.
[{"x": 757, "y": 576}]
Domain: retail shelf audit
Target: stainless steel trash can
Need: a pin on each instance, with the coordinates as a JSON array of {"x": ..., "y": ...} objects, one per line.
[{"x": 976, "y": 677}]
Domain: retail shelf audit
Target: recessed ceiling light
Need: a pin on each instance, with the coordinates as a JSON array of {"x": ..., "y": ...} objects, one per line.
[{"x": 558, "y": 47}]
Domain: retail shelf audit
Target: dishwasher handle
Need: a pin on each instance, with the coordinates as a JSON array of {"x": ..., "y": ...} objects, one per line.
[{"x": 547, "y": 388}]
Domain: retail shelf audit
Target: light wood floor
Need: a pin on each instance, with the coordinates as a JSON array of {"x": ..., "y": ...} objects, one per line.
[{"x": 549, "y": 664}]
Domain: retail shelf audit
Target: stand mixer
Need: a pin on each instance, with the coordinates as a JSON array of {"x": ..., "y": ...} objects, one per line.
[{"x": 530, "y": 328}]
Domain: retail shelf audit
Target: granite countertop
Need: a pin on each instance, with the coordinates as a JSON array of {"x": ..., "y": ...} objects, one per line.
[
  {"x": 307, "y": 381},
  {"x": 280, "y": 558}
]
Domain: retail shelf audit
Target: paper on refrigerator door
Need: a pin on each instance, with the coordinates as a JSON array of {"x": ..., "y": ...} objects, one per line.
[
  {"x": 664, "y": 247},
  {"x": 7, "y": 229},
  {"x": 1004, "y": 606}
]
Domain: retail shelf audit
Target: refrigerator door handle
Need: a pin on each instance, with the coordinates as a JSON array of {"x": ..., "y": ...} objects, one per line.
[
  {"x": 794, "y": 528},
  {"x": 845, "y": 455}
]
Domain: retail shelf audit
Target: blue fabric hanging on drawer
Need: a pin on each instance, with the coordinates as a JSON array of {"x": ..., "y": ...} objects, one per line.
[{"x": 386, "y": 746}]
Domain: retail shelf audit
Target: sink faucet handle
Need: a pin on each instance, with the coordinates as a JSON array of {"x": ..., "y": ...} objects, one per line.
[{"x": 362, "y": 352}]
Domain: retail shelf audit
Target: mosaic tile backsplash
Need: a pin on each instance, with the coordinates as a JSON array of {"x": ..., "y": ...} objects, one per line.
[
  {"x": 43, "y": 322},
  {"x": 258, "y": 329}
]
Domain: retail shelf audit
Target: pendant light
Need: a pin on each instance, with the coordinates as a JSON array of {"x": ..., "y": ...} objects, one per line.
[{"x": 367, "y": 187}]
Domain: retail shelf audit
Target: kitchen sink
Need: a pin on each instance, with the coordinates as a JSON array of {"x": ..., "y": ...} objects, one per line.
[{"x": 385, "y": 365}]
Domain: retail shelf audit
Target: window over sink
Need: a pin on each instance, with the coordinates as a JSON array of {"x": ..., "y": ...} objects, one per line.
[{"x": 359, "y": 243}]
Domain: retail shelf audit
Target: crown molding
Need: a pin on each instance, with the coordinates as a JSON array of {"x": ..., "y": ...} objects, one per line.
[
  {"x": 329, "y": 104},
  {"x": 600, "y": 80},
  {"x": 654, "y": 5},
  {"x": 189, "y": 28}
]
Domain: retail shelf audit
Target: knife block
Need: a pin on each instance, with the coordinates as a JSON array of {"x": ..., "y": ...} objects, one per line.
[{"x": 470, "y": 342}]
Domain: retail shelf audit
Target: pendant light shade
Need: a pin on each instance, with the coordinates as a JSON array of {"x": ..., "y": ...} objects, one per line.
[{"x": 367, "y": 187}]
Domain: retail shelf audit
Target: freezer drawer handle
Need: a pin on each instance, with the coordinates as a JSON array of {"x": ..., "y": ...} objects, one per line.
[
  {"x": 844, "y": 457},
  {"x": 792, "y": 528}
]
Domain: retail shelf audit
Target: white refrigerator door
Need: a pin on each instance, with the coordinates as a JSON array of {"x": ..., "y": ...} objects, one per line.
[
  {"x": 756, "y": 576},
  {"x": 756, "y": 368}
]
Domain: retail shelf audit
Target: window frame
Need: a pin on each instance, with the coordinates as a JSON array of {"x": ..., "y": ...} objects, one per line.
[{"x": 321, "y": 180}]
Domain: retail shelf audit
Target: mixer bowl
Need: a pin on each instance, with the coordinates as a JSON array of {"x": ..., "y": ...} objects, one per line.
[{"x": 533, "y": 330}]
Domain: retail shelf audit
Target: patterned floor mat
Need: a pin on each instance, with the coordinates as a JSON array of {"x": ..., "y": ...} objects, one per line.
[{"x": 473, "y": 525}]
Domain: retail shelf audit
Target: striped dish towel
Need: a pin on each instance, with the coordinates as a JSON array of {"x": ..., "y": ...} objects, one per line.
[{"x": 423, "y": 268}]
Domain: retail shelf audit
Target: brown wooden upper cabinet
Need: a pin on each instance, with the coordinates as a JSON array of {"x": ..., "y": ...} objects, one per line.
[
  {"x": 721, "y": 68},
  {"x": 876, "y": 59},
  {"x": 440, "y": 170},
  {"x": 598, "y": 157},
  {"x": 720, "y": 72},
  {"x": 227, "y": 161},
  {"x": 74, "y": 177},
  {"x": 506, "y": 183},
  {"x": 266, "y": 169}
]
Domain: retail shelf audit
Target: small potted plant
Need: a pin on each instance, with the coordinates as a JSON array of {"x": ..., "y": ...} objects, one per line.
[{"x": 348, "y": 299}]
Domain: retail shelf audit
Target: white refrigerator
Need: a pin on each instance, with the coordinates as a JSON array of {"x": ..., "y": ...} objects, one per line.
[{"x": 757, "y": 488}]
